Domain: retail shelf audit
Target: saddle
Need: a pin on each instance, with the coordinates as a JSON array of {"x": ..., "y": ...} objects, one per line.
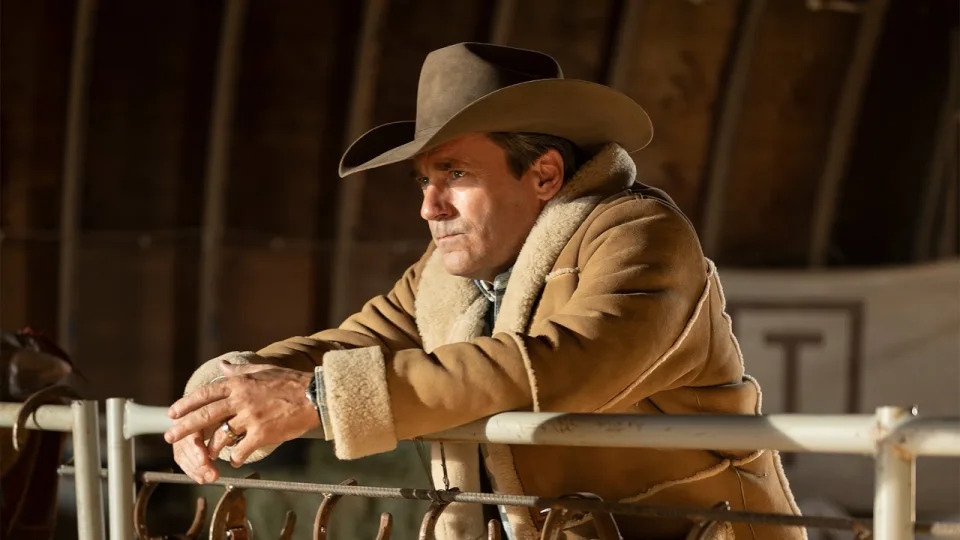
[{"x": 35, "y": 371}]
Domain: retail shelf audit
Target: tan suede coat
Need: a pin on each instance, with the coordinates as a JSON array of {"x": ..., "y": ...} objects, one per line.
[{"x": 611, "y": 307}]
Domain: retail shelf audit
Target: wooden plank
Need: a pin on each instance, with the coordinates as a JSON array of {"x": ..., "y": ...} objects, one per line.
[
  {"x": 624, "y": 43},
  {"x": 129, "y": 319},
  {"x": 350, "y": 196},
  {"x": 728, "y": 120},
  {"x": 677, "y": 66},
  {"x": 581, "y": 47},
  {"x": 934, "y": 184},
  {"x": 502, "y": 23},
  {"x": 218, "y": 161},
  {"x": 74, "y": 144},
  {"x": 844, "y": 127},
  {"x": 948, "y": 241},
  {"x": 287, "y": 302}
]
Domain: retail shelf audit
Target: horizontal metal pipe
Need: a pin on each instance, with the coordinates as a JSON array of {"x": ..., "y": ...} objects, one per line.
[
  {"x": 46, "y": 417},
  {"x": 930, "y": 436},
  {"x": 843, "y": 434},
  {"x": 848, "y": 434},
  {"x": 144, "y": 420}
]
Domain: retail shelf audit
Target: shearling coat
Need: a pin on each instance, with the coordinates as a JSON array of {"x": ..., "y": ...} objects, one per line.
[{"x": 611, "y": 307}]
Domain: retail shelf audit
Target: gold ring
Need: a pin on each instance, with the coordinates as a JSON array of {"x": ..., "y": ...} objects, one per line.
[{"x": 234, "y": 437}]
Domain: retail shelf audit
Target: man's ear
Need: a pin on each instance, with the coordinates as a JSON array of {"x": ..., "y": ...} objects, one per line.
[{"x": 548, "y": 174}]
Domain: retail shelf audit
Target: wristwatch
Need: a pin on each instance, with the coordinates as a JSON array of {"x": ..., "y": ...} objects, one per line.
[{"x": 313, "y": 391}]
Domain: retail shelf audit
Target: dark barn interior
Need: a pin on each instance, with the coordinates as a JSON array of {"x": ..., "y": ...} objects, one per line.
[{"x": 169, "y": 185}]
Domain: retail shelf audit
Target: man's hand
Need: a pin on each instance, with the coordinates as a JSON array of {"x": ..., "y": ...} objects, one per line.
[{"x": 261, "y": 403}]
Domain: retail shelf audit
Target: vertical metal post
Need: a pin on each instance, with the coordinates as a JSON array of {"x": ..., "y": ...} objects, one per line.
[
  {"x": 86, "y": 458},
  {"x": 218, "y": 164},
  {"x": 894, "y": 508},
  {"x": 120, "y": 469},
  {"x": 72, "y": 173},
  {"x": 360, "y": 115},
  {"x": 728, "y": 122}
]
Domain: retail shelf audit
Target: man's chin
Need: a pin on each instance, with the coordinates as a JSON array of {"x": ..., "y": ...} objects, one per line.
[{"x": 456, "y": 264}]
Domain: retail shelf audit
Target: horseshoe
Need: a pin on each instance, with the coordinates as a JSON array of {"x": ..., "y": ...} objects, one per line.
[
  {"x": 429, "y": 524},
  {"x": 288, "y": 524},
  {"x": 321, "y": 523},
  {"x": 229, "y": 520},
  {"x": 386, "y": 526},
  {"x": 46, "y": 396},
  {"x": 493, "y": 530},
  {"x": 140, "y": 517}
]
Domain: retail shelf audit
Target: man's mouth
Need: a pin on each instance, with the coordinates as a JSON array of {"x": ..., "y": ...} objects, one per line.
[{"x": 446, "y": 236}]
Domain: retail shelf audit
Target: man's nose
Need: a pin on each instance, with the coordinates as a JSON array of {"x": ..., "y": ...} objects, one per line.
[{"x": 435, "y": 205}]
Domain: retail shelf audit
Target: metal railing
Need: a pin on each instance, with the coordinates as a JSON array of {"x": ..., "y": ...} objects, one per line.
[
  {"x": 894, "y": 436},
  {"x": 83, "y": 422}
]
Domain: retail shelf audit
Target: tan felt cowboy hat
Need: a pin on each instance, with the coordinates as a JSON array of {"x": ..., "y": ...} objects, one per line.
[{"x": 483, "y": 88}]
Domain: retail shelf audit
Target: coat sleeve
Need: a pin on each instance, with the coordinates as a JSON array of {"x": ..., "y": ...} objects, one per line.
[
  {"x": 386, "y": 321},
  {"x": 642, "y": 276}
]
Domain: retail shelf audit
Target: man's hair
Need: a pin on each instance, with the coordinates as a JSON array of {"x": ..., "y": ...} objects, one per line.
[{"x": 523, "y": 149}]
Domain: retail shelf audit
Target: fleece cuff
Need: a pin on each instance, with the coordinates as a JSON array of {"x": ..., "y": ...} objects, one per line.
[{"x": 358, "y": 402}]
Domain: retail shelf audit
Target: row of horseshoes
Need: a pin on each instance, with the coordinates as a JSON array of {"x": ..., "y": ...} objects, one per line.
[{"x": 229, "y": 521}]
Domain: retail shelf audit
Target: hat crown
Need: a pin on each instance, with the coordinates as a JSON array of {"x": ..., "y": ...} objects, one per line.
[{"x": 454, "y": 77}]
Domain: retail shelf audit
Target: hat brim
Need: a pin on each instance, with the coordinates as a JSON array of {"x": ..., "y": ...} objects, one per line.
[{"x": 586, "y": 113}]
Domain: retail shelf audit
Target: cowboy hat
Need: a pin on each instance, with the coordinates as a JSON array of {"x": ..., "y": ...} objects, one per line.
[{"x": 484, "y": 88}]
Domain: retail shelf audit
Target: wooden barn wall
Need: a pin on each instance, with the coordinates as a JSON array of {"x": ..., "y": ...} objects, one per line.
[
  {"x": 893, "y": 153},
  {"x": 35, "y": 59},
  {"x": 147, "y": 133},
  {"x": 281, "y": 187},
  {"x": 675, "y": 73},
  {"x": 149, "y": 99},
  {"x": 799, "y": 63}
]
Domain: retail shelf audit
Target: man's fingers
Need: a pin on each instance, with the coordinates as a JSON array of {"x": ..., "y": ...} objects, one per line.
[
  {"x": 221, "y": 439},
  {"x": 208, "y": 416},
  {"x": 241, "y": 452},
  {"x": 190, "y": 454},
  {"x": 198, "y": 398}
]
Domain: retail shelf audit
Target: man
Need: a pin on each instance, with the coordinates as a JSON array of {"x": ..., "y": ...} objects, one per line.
[{"x": 554, "y": 283}]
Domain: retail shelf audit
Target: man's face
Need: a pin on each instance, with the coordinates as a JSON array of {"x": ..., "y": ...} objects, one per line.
[{"x": 479, "y": 213}]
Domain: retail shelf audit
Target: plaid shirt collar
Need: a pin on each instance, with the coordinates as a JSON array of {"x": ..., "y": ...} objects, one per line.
[{"x": 494, "y": 291}]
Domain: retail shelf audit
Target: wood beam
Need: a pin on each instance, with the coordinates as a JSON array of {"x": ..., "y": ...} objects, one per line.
[
  {"x": 502, "y": 22},
  {"x": 733, "y": 88},
  {"x": 841, "y": 136},
  {"x": 217, "y": 169},
  {"x": 935, "y": 183},
  {"x": 350, "y": 196},
  {"x": 73, "y": 162},
  {"x": 624, "y": 44},
  {"x": 948, "y": 241}
]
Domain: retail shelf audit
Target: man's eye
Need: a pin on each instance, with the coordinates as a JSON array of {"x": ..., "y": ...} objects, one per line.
[
  {"x": 423, "y": 182},
  {"x": 457, "y": 174}
]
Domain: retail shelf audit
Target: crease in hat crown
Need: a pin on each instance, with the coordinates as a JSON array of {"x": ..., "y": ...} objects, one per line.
[
  {"x": 481, "y": 87},
  {"x": 455, "y": 76}
]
